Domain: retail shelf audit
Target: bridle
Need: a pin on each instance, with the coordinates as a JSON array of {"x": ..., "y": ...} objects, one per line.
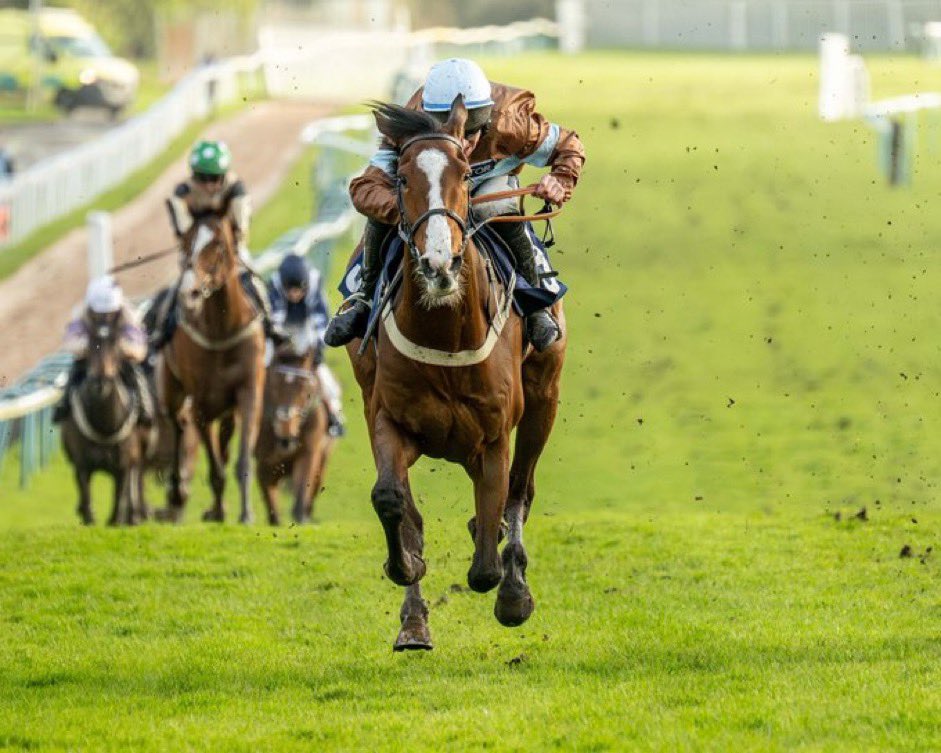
[
  {"x": 192, "y": 258},
  {"x": 406, "y": 229}
]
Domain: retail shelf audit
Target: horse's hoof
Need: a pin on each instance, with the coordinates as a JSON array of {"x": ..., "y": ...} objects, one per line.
[
  {"x": 413, "y": 637},
  {"x": 513, "y": 610},
  {"x": 482, "y": 580},
  {"x": 274, "y": 520},
  {"x": 247, "y": 519},
  {"x": 214, "y": 515},
  {"x": 168, "y": 515}
]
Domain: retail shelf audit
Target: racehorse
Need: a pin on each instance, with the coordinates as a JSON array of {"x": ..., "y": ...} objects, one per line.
[
  {"x": 450, "y": 377},
  {"x": 293, "y": 441},
  {"x": 102, "y": 432},
  {"x": 216, "y": 358}
]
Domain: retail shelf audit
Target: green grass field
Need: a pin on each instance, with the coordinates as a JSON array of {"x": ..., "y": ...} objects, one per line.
[{"x": 752, "y": 350}]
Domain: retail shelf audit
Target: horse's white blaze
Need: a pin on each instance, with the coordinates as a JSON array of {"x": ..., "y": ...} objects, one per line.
[
  {"x": 203, "y": 238},
  {"x": 438, "y": 236}
]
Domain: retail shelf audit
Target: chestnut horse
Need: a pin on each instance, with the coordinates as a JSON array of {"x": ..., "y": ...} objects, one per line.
[
  {"x": 102, "y": 433},
  {"x": 293, "y": 442},
  {"x": 216, "y": 358},
  {"x": 450, "y": 377}
]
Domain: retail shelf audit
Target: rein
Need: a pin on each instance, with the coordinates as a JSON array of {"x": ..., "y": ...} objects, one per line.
[{"x": 146, "y": 259}]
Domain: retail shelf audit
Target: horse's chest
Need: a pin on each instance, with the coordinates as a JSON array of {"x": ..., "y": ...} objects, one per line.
[{"x": 450, "y": 417}]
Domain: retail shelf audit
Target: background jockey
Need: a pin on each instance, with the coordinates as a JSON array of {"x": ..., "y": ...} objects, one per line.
[
  {"x": 503, "y": 133},
  {"x": 103, "y": 297},
  {"x": 210, "y": 187},
  {"x": 298, "y": 302}
]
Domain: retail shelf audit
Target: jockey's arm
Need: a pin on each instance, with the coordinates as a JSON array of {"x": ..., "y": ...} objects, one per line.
[
  {"x": 180, "y": 215},
  {"x": 240, "y": 210},
  {"x": 543, "y": 144},
  {"x": 373, "y": 192},
  {"x": 76, "y": 338},
  {"x": 132, "y": 341}
]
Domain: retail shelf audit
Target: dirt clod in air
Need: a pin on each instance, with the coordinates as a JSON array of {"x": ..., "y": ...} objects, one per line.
[
  {"x": 516, "y": 660},
  {"x": 862, "y": 514},
  {"x": 907, "y": 551}
]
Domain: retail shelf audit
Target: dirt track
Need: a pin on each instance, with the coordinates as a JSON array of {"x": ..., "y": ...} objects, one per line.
[{"x": 35, "y": 303}]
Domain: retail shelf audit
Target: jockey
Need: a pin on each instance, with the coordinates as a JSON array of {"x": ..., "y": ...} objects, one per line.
[
  {"x": 210, "y": 187},
  {"x": 298, "y": 302},
  {"x": 503, "y": 133},
  {"x": 104, "y": 296}
]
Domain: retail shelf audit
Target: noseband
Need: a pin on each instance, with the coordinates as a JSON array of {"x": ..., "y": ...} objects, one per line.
[{"x": 407, "y": 229}]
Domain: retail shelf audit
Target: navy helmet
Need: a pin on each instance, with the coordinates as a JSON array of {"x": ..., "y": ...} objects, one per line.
[{"x": 294, "y": 272}]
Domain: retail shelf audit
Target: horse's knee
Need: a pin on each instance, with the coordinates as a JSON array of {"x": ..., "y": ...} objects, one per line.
[{"x": 388, "y": 500}]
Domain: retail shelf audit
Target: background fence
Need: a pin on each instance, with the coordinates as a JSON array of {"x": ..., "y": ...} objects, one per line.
[{"x": 757, "y": 24}]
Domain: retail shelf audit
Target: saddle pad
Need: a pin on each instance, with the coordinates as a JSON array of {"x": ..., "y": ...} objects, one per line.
[{"x": 526, "y": 298}]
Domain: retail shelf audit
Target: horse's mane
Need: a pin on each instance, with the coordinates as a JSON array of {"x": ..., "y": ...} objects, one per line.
[{"x": 400, "y": 123}]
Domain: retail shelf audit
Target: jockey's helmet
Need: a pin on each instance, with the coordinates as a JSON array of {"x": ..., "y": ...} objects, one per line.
[
  {"x": 454, "y": 76},
  {"x": 210, "y": 158},
  {"x": 294, "y": 272},
  {"x": 104, "y": 296}
]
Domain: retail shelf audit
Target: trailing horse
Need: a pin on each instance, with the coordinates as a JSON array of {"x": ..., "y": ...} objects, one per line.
[
  {"x": 101, "y": 432},
  {"x": 216, "y": 359},
  {"x": 450, "y": 377},
  {"x": 293, "y": 442}
]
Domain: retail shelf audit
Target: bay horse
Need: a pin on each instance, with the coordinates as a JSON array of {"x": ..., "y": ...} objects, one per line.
[
  {"x": 102, "y": 431},
  {"x": 293, "y": 442},
  {"x": 216, "y": 359},
  {"x": 450, "y": 377}
]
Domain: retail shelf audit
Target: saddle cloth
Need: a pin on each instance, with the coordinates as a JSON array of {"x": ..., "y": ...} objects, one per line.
[{"x": 526, "y": 298}]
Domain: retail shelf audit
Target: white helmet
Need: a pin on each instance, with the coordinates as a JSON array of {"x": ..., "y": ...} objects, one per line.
[
  {"x": 455, "y": 76},
  {"x": 104, "y": 296}
]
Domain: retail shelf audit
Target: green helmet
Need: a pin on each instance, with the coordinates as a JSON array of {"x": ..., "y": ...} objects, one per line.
[{"x": 210, "y": 158}]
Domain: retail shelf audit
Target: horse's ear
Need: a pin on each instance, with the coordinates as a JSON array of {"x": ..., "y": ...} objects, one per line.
[
  {"x": 458, "y": 119},
  {"x": 380, "y": 111}
]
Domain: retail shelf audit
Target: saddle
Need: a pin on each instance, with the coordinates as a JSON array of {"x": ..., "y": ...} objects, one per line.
[{"x": 526, "y": 298}]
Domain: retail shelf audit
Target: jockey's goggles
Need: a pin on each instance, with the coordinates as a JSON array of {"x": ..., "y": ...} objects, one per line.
[{"x": 207, "y": 178}]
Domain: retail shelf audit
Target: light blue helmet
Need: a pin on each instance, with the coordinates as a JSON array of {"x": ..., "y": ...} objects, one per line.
[{"x": 455, "y": 76}]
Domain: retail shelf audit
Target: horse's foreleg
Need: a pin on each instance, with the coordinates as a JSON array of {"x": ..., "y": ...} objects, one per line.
[
  {"x": 210, "y": 440},
  {"x": 268, "y": 478},
  {"x": 249, "y": 403},
  {"x": 414, "y": 634},
  {"x": 83, "y": 481},
  {"x": 392, "y": 500},
  {"x": 170, "y": 392},
  {"x": 119, "y": 506},
  {"x": 515, "y": 603},
  {"x": 491, "y": 479}
]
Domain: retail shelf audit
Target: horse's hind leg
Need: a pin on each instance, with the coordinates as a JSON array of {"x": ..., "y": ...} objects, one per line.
[
  {"x": 514, "y": 602},
  {"x": 392, "y": 500}
]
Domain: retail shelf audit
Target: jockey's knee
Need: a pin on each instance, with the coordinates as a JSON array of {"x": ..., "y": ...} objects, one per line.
[{"x": 498, "y": 207}]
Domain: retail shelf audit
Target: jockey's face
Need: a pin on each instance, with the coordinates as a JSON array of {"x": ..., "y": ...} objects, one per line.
[
  {"x": 295, "y": 295},
  {"x": 211, "y": 184}
]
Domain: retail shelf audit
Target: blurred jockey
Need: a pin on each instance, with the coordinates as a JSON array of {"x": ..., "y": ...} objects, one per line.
[
  {"x": 503, "y": 133},
  {"x": 299, "y": 304},
  {"x": 210, "y": 187},
  {"x": 103, "y": 298}
]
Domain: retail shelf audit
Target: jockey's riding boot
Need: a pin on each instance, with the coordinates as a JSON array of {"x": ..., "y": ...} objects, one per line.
[
  {"x": 351, "y": 321},
  {"x": 541, "y": 327},
  {"x": 335, "y": 426},
  {"x": 259, "y": 295},
  {"x": 158, "y": 317},
  {"x": 63, "y": 409}
]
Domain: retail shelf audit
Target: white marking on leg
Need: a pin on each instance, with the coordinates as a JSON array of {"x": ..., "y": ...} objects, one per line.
[{"x": 438, "y": 235}]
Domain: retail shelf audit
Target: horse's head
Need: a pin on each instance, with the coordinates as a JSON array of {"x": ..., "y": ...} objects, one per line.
[
  {"x": 433, "y": 196},
  {"x": 293, "y": 389},
  {"x": 104, "y": 360},
  {"x": 209, "y": 246}
]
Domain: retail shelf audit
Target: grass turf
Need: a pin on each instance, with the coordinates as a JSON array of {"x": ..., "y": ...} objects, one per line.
[{"x": 751, "y": 354}]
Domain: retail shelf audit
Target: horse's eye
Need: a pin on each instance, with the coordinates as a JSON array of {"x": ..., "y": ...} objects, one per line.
[{"x": 401, "y": 180}]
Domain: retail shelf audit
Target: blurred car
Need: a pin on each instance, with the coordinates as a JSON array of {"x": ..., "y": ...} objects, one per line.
[{"x": 72, "y": 61}]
